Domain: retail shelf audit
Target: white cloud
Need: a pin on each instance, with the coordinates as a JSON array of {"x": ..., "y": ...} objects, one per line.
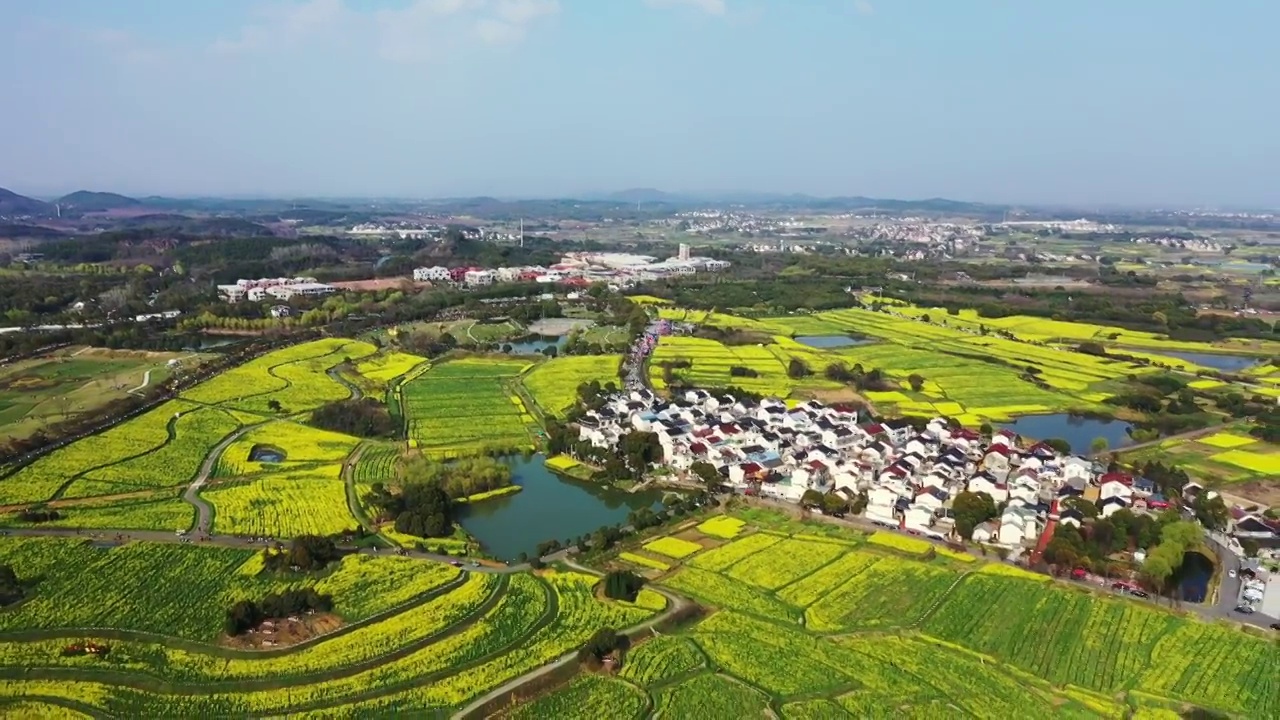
[
  {"x": 710, "y": 7},
  {"x": 412, "y": 33},
  {"x": 284, "y": 25},
  {"x": 864, "y": 7}
]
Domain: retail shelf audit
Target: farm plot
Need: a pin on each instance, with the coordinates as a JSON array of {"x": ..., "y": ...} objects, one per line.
[
  {"x": 722, "y": 526},
  {"x": 44, "y": 478},
  {"x": 465, "y": 407},
  {"x": 673, "y": 547},
  {"x": 723, "y": 557},
  {"x": 1091, "y": 642},
  {"x": 722, "y": 592},
  {"x": 711, "y": 364},
  {"x": 298, "y": 444},
  {"x": 808, "y": 590},
  {"x": 1222, "y": 458},
  {"x": 660, "y": 659},
  {"x": 305, "y": 501},
  {"x": 1214, "y": 666},
  {"x": 785, "y": 562},
  {"x": 146, "y": 513},
  {"x": 710, "y": 696},
  {"x": 889, "y": 593},
  {"x": 387, "y": 366},
  {"x": 554, "y": 383},
  {"x": 588, "y": 697}
]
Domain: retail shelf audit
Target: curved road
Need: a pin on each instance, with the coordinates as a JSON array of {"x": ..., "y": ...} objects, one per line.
[
  {"x": 356, "y": 393},
  {"x": 204, "y": 513}
]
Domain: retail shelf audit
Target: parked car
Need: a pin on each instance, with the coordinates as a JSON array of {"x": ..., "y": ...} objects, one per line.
[
  {"x": 1275, "y": 626},
  {"x": 1245, "y": 609},
  {"x": 456, "y": 563},
  {"x": 1231, "y": 573},
  {"x": 1139, "y": 593}
]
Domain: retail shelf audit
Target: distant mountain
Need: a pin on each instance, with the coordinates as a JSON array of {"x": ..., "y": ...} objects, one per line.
[
  {"x": 641, "y": 195},
  {"x": 14, "y": 205},
  {"x": 88, "y": 201}
]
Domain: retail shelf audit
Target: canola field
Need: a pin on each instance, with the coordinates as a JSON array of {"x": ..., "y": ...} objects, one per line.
[
  {"x": 467, "y": 406},
  {"x": 419, "y": 638},
  {"x": 1222, "y": 458},
  {"x": 712, "y": 362},
  {"x": 554, "y": 383},
  {"x": 296, "y": 378},
  {"x": 866, "y": 631}
]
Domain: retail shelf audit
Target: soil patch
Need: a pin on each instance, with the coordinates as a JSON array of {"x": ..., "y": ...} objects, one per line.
[
  {"x": 284, "y": 632},
  {"x": 382, "y": 284}
]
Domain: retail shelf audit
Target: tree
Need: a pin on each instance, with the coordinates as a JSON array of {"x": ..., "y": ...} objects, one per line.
[
  {"x": 916, "y": 380},
  {"x": 1211, "y": 512},
  {"x": 834, "y": 504},
  {"x": 10, "y": 587},
  {"x": 603, "y": 643},
  {"x": 1099, "y": 445},
  {"x": 986, "y": 429},
  {"x": 706, "y": 472},
  {"x": 970, "y": 510},
  {"x": 1059, "y": 445},
  {"x": 811, "y": 498},
  {"x": 274, "y": 406},
  {"x": 622, "y": 585},
  {"x": 797, "y": 369}
]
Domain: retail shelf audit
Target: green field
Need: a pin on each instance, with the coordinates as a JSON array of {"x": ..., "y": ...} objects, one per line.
[
  {"x": 44, "y": 390},
  {"x": 467, "y": 406},
  {"x": 295, "y": 378},
  {"x": 866, "y": 632},
  {"x": 1230, "y": 456}
]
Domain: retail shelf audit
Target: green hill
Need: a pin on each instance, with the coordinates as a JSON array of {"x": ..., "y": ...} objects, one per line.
[
  {"x": 14, "y": 205},
  {"x": 89, "y": 201}
]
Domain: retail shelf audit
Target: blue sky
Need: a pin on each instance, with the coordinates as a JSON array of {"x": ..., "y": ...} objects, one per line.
[{"x": 1133, "y": 102}]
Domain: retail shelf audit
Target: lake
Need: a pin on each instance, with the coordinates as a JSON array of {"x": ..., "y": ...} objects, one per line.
[
  {"x": 830, "y": 341},
  {"x": 549, "y": 507},
  {"x": 1077, "y": 430},
  {"x": 1225, "y": 363},
  {"x": 536, "y": 346}
]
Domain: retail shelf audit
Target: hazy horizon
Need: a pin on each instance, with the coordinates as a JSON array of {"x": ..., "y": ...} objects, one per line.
[{"x": 1140, "y": 104}]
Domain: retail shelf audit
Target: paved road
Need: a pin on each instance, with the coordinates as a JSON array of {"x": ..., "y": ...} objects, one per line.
[
  {"x": 356, "y": 392},
  {"x": 204, "y": 513}
]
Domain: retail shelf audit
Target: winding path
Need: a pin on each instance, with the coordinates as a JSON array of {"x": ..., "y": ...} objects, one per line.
[
  {"x": 204, "y": 513},
  {"x": 146, "y": 380},
  {"x": 356, "y": 392}
]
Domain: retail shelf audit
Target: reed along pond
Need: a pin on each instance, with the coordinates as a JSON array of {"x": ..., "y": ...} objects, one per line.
[{"x": 549, "y": 507}]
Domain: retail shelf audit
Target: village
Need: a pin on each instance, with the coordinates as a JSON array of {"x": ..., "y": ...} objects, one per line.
[{"x": 902, "y": 474}]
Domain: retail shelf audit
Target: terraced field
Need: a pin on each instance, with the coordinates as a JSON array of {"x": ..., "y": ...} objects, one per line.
[
  {"x": 415, "y": 636},
  {"x": 711, "y": 363}
]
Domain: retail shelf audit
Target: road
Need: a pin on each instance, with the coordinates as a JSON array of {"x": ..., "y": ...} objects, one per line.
[
  {"x": 1152, "y": 443},
  {"x": 356, "y": 392},
  {"x": 146, "y": 380},
  {"x": 204, "y": 514}
]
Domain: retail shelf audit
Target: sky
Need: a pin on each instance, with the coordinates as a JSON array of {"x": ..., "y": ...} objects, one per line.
[{"x": 1151, "y": 103}]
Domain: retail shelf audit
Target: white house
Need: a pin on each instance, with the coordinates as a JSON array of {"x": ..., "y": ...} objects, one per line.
[{"x": 437, "y": 273}]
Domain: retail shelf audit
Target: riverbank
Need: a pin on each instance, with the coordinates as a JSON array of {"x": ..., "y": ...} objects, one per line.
[{"x": 489, "y": 495}]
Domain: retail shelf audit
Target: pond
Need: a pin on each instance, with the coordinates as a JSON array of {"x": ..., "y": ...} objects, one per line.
[
  {"x": 549, "y": 507},
  {"x": 1225, "y": 363},
  {"x": 824, "y": 342},
  {"x": 1192, "y": 577},
  {"x": 266, "y": 454},
  {"x": 537, "y": 345},
  {"x": 1077, "y": 430}
]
